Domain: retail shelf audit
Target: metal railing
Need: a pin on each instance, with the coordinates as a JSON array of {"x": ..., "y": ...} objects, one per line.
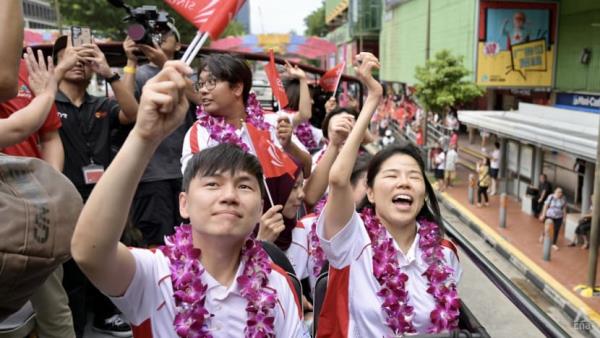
[{"x": 537, "y": 316}]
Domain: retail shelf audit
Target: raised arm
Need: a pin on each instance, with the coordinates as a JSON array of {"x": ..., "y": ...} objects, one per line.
[
  {"x": 132, "y": 62},
  {"x": 340, "y": 204},
  {"x": 18, "y": 126},
  {"x": 11, "y": 35},
  {"x": 284, "y": 134},
  {"x": 305, "y": 105},
  {"x": 95, "y": 245},
  {"x": 123, "y": 93},
  {"x": 316, "y": 184}
]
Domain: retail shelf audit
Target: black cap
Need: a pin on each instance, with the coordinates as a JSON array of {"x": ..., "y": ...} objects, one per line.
[{"x": 59, "y": 44}]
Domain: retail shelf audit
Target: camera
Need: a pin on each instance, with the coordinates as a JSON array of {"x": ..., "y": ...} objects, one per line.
[{"x": 147, "y": 24}]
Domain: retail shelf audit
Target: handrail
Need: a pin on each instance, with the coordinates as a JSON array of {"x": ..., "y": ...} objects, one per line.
[{"x": 533, "y": 312}]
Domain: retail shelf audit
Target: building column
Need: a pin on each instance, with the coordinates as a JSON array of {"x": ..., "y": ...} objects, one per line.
[
  {"x": 503, "y": 170},
  {"x": 538, "y": 165},
  {"x": 588, "y": 185}
]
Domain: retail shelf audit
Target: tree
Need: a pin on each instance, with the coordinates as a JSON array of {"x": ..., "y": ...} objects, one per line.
[
  {"x": 233, "y": 29},
  {"x": 442, "y": 83},
  {"x": 315, "y": 22},
  {"x": 107, "y": 20}
]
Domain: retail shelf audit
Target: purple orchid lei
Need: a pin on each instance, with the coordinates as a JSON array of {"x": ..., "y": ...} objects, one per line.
[
  {"x": 386, "y": 269},
  {"x": 224, "y": 132},
  {"x": 304, "y": 133},
  {"x": 190, "y": 292},
  {"x": 315, "y": 251}
]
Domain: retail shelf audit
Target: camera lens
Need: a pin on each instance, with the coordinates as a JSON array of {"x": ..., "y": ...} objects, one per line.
[{"x": 136, "y": 32}]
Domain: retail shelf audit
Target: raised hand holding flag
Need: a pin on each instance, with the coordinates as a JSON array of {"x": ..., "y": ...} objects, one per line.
[
  {"x": 275, "y": 82},
  {"x": 331, "y": 79},
  {"x": 209, "y": 16}
]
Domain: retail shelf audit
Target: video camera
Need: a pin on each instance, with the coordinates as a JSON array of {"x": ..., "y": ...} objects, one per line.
[{"x": 147, "y": 24}]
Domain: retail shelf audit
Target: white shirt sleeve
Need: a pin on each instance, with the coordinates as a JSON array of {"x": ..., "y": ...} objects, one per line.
[
  {"x": 451, "y": 260},
  {"x": 186, "y": 151},
  {"x": 143, "y": 293},
  {"x": 289, "y": 324},
  {"x": 346, "y": 245}
]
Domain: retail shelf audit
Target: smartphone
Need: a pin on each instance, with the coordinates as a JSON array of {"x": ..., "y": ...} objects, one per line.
[{"x": 80, "y": 35}]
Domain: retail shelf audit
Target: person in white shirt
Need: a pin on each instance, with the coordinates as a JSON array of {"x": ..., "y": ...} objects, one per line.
[
  {"x": 224, "y": 88},
  {"x": 495, "y": 167},
  {"x": 381, "y": 261},
  {"x": 440, "y": 166},
  {"x": 210, "y": 272},
  {"x": 450, "y": 170}
]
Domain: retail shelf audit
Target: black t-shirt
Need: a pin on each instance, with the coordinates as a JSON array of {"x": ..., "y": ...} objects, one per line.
[
  {"x": 544, "y": 186},
  {"x": 165, "y": 164},
  {"x": 85, "y": 134}
]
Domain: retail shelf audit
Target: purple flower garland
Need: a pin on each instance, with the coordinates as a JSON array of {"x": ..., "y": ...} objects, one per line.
[
  {"x": 304, "y": 133},
  {"x": 223, "y": 132},
  {"x": 398, "y": 312},
  {"x": 190, "y": 293},
  {"x": 315, "y": 251}
]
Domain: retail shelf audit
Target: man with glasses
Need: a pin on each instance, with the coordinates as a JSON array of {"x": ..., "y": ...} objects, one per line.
[{"x": 155, "y": 208}]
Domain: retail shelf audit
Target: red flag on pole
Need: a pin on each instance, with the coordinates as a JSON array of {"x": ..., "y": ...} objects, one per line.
[
  {"x": 210, "y": 16},
  {"x": 275, "y": 81},
  {"x": 331, "y": 79},
  {"x": 279, "y": 169}
]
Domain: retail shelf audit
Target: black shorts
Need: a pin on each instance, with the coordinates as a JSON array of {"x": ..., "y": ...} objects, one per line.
[
  {"x": 494, "y": 173},
  {"x": 439, "y": 174}
]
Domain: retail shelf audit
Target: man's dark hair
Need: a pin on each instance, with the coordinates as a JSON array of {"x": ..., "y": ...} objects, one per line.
[
  {"x": 229, "y": 68},
  {"x": 222, "y": 158},
  {"x": 331, "y": 114}
]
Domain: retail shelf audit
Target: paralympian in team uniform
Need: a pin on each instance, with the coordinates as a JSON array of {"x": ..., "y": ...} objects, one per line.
[
  {"x": 389, "y": 266},
  {"x": 210, "y": 279}
]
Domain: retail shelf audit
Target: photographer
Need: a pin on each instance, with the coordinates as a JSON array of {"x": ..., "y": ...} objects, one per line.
[
  {"x": 87, "y": 122},
  {"x": 155, "y": 208}
]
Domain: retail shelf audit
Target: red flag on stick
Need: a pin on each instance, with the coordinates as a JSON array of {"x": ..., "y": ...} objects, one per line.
[
  {"x": 275, "y": 81},
  {"x": 331, "y": 79},
  {"x": 210, "y": 16},
  {"x": 279, "y": 169}
]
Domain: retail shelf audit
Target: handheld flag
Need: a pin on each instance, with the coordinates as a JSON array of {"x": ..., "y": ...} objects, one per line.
[
  {"x": 331, "y": 79},
  {"x": 275, "y": 81},
  {"x": 278, "y": 168}
]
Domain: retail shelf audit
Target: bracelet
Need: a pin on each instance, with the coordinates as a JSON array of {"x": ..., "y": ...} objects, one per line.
[{"x": 129, "y": 70}]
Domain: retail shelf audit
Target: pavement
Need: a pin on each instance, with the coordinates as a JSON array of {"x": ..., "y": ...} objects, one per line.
[{"x": 518, "y": 243}]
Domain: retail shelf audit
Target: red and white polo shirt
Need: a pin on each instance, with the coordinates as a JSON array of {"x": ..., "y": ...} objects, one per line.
[
  {"x": 149, "y": 305},
  {"x": 351, "y": 307},
  {"x": 198, "y": 138}
]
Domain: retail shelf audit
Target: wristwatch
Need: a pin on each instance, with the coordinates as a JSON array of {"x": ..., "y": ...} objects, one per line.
[{"x": 113, "y": 78}]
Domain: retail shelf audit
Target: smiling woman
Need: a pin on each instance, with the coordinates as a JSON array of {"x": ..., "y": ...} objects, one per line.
[{"x": 393, "y": 252}]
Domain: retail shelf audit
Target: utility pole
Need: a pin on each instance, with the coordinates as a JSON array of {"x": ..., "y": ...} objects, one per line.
[
  {"x": 58, "y": 17},
  {"x": 427, "y": 52}
]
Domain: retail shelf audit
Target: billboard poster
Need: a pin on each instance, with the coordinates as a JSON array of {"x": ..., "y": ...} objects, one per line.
[{"x": 517, "y": 44}]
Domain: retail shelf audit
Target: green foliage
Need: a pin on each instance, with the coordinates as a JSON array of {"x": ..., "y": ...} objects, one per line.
[
  {"x": 107, "y": 20},
  {"x": 315, "y": 22},
  {"x": 442, "y": 83}
]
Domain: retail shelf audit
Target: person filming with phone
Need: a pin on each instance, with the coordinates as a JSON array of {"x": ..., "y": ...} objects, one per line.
[{"x": 87, "y": 123}]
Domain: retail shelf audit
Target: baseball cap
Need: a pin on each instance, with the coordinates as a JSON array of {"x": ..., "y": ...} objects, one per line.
[
  {"x": 39, "y": 208},
  {"x": 59, "y": 44}
]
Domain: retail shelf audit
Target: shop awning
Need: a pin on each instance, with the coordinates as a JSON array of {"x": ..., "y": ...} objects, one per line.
[{"x": 565, "y": 130}]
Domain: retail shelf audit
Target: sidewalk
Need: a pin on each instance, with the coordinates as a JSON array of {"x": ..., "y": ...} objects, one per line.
[{"x": 518, "y": 242}]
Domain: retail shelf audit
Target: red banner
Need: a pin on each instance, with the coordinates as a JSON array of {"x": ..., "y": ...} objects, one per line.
[
  {"x": 331, "y": 79},
  {"x": 275, "y": 81},
  {"x": 209, "y": 16}
]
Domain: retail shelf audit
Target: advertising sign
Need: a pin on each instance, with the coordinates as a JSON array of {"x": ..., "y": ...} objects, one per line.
[{"x": 517, "y": 43}]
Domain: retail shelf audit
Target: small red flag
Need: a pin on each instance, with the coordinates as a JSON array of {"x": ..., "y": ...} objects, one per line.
[
  {"x": 272, "y": 159},
  {"x": 209, "y": 16},
  {"x": 331, "y": 79},
  {"x": 275, "y": 81}
]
